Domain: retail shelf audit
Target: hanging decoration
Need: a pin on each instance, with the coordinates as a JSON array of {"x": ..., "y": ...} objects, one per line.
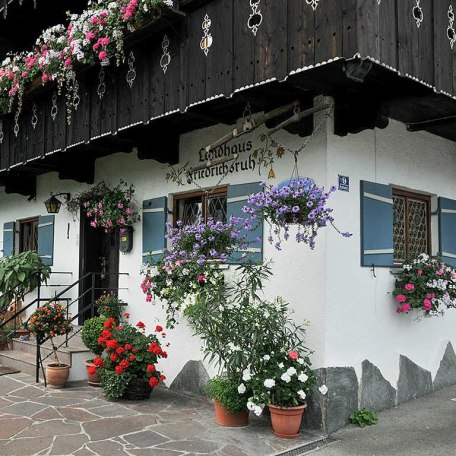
[
  {"x": 417, "y": 12},
  {"x": 34, "y": 116},
  {"x": 206, "y": 41},
  {"x": 54, "y": 108},
  {"x": 16, "y": 123},
  {"x": 166, "y": 57},
  {"x": 101, "y": 89},
  {"x": 313, "y": 3},
  {"x": 131, "y": 74},
  {"x": 256, "y": 18},
  {"x": 451, "y": 32},
  {"x": 2, "y": 135}
]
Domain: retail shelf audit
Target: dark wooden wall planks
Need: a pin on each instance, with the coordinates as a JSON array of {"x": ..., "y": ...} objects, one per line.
[{"x": 291, "y": 36}]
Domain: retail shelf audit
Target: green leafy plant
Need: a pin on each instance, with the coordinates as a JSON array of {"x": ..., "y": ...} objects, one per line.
[
  {"x": 113, "y": 385},
  {"x": 110, "y": 306},
  {"x": 20, "y": 274},
  {"x": 364, "y": 417},
  {"x": 91, "y": 332},
  {"x": 226, "y": 391}
]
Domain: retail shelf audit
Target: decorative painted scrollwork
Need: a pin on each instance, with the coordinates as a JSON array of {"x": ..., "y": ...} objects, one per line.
[
  {"x": 313, "y": 3},
  {"x": 166, "y": 57},
  {"x": 16, "y": 123},
  {"x": 54, "y": 108},
  {"x": 34, "y": 116},
  {"x": 131, "y": 74},
  {"x": 2, "y": 135},
  {"x": 418, "y": 14},
  {"x": 256, "y": 18},
  {"x": 76, "y": 96},
  {"x": 101, "y": 89},
  {"x": 451, "y": 32},
  {"x": 206, "y": 41}
]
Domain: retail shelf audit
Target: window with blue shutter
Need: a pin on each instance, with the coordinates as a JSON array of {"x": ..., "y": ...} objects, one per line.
[
  {"x": 376, "y": 224},
  {"x": 237, "y": 198},
  {"x": 154, "y": 218},
  {"x": 447, "y": 230},
  {"x": 46, "y": 239},
  {"x": 9, "y": 236}
]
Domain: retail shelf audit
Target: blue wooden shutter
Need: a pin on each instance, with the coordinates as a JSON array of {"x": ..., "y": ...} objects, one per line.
[
  {"x": 376, "y": 224},
  {"x": 8, "y": 238},
  {"x": 154, "y": 218},
  {"x": 447, "y": 230},
  {"x": 46, "y": 239},
  {"x": 237, "y": 196}
]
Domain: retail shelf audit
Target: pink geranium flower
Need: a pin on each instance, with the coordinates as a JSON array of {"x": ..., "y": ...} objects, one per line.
[
  {"x": 401, "y": 298},
  {"x": 409, "y": 286}
]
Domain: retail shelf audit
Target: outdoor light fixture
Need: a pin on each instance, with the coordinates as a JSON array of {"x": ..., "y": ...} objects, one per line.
[{"x": 53, "y": 203}]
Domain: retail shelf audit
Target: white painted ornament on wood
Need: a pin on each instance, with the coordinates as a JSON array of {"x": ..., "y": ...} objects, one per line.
[
  {"x": 101, "y": 89},
  {"x": 206, "y": 41},
  {"x": 313, "y": 3},
  {"x": 34, "y": 116},
  {"x": 451, "y": 32},
  {"x": 131, "y": 74},
  {"x": 256, "y": 18},
  {"x": 2, "y": 135},
  {"x": 54, "y": 108},
  {"x": 417, "y": 12},
  {"x": 166, "y": 57}
]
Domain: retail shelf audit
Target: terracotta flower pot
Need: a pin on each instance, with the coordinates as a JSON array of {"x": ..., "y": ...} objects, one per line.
[
  {"x": 224, "y": 417},
  {"x": 57, "y": 375},
  {"x": 286, "y": 420},
  {"x": 94, "y": 379}
]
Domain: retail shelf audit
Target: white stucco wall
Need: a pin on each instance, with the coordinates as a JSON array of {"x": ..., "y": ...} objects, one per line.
[{"x": 351, "y": 315}]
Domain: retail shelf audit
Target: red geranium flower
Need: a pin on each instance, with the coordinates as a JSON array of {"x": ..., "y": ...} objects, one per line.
[
  {"x": 293, "y": 355},
  {"x": 119, "y": 370},
  {"x": 91, "y": 370},
  {"x": 113, "y": 344},
  {"x": 151, "y": 368},
  {"x": 140, "y": 325},
  {"x": 153, "y": 381},
  {"x": 126, "y": 315},
  {"x": 158, "y": 328},
  {"x": 120, "y": 350},
  {"x": 98, "y": 362},
  {"x": 132, "y": 357},
  {"x": 162, "y": 377},
  {"x": 128, "y": 347},
  {"x": 114, "y": 357}
]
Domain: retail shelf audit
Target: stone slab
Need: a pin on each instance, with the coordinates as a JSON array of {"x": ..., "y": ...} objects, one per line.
[
  {"x": 376, "y": 392},
  {"x": 446, "y": 375},
  {"x": 414, "y": 381},
  {"x": 192, "y": 378}
]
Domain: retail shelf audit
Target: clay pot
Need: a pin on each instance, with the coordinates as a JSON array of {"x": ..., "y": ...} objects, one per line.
[
  {"x": 224, "y": 417},
  {"x": 57, "y": 375},
  {"x": 94, "y": 379},
  {"x": 286, "y": 420}
]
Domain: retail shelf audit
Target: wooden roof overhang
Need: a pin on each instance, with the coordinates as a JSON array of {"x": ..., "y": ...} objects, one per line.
[{"x": 295, "y": 55}]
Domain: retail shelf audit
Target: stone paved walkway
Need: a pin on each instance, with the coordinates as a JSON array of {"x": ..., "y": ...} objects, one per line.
[{"x": 77, "y": 421}]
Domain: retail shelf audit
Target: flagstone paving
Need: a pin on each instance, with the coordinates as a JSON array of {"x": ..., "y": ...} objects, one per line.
[{"x": 76, "y": 420}]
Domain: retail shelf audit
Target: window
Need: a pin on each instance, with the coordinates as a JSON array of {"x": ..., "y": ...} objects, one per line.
[
  {"x": 411, "y": 225},
  {"x": 198, "y": 207},
  {"x": 28, "y": 235}
]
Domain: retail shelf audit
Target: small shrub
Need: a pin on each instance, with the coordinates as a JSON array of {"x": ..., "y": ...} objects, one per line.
[
  {"x": 91, "y": 331},
  {"x": 364, "y": 417},
  {"x": 225, "y": 390},
  {"x": 112, "y": 384}
]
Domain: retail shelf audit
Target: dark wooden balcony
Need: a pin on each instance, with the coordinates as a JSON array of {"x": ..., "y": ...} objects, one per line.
[{"x": 378, "y": 61}]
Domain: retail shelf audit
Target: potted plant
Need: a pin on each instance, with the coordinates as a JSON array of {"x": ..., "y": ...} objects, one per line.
[
  {"x": 90, "y": 333},
  {"x": 127, "y": 367},
  {"x": 426, "y": 285},
  {"x": 9, "y": 332},
  {"x": 282, "y": 383},
  {"x": 301, "y": 203},
  {"x": 109, "y": 305},
  {"x": 108, "y": 208},
  {"x": 230, "y": 401},
  {"x": 19, "y": 275},
  {"x": 47, "y": 322}
]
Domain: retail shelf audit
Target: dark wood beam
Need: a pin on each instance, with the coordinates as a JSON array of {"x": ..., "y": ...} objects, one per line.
[
  {"x": 425, "y": 124},
  {"x": 162, "y": 146},
  {"x": 22, "y": 183},
  {"x": 80, "y": 168}
]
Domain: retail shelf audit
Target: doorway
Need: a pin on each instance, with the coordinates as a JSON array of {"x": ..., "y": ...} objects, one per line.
[{"x": 99, "y": 254}]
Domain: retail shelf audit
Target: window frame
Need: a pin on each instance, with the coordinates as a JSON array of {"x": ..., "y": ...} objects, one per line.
[
  {"x": 20, "y": 233},
  {"x": 219, "y": 191},
  {"x": 407, "y": 194}
]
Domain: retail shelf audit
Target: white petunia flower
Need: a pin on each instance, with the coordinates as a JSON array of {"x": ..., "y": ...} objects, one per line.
[
  {"x": 291, "y": 371},
  {"x": 266, "y": 357},
  {"x": 301, "y": 361},
  {"x": 285, "y": 377},
  {"x": 303, "y": 377},
  {"x": 246, "y": 375},
  {"x": 280, "y": 365},
  {"x": 242, "y": 389},
  {"x": 269, "y": 383},
  {"x": 302, "y": 394},
  {"x": 323, "y": 389}
]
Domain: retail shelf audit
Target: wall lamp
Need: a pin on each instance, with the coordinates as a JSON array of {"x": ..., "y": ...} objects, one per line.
[{"x": 53, "y": 203}]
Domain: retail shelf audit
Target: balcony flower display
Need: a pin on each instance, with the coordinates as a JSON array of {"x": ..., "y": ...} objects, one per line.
[
  {"x": 127, "y": 367},
  {"x": 301, "y": 203},
  {"x": 94, "y": 36},
  {"x": 427, "y": 285},
  {"x": 108, "y": 208}
]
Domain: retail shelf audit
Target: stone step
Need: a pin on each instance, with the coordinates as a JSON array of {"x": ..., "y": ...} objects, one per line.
[{"x": 24, "y": 362}]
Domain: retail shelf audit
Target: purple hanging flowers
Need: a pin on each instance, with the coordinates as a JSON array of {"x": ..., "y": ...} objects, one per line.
[{"x": 301, "y": 203}]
